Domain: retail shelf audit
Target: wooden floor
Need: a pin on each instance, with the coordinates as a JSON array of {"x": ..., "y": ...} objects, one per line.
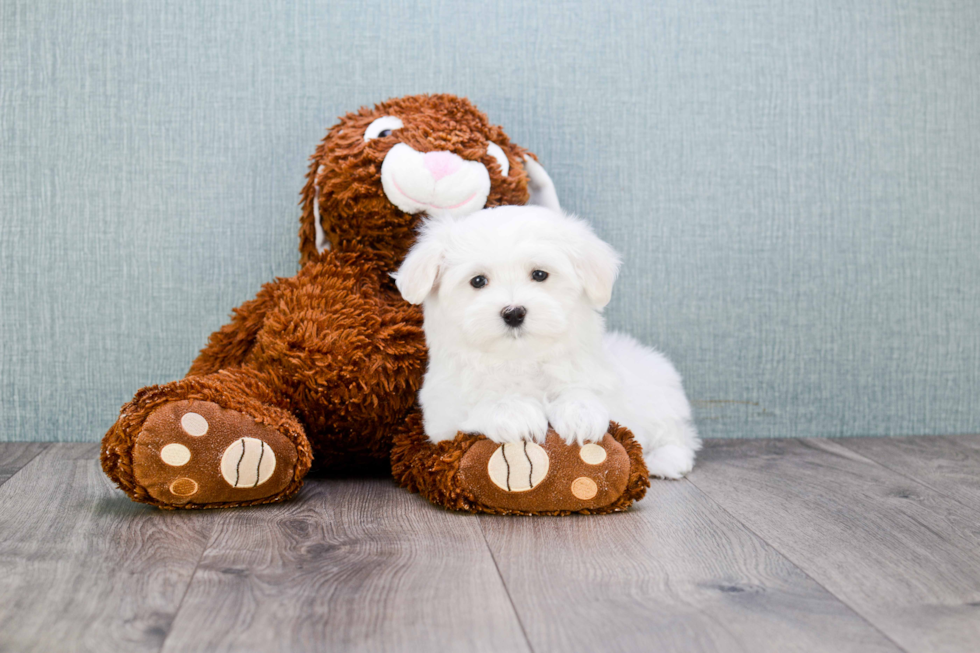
[{"x": 771, "y": 545}]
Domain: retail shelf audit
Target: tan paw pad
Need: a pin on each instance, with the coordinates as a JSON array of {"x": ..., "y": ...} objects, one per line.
[
  {"x": 194, "y": 424},
  {"x": 247, "y": 462},
  {"x": 584, "y": 488},
  {"x": 184, "y": 487},
  {"x": 518, "y": 466},
  {"x": 592, "y": 454},
  {"x": 175, "y": 455}
]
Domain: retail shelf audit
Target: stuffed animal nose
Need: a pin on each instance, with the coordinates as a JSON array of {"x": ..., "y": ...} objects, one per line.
[
  {"x": 442, "y": 164},
  {"x": 513, "y": 315}
]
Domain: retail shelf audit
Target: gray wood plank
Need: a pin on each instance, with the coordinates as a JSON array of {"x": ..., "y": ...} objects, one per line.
[
  {"x": 903, "y": 556},
  {"x": 353, "y": 565},
  {"x": 14, "y": 455},
  {"x": 82, "y": 568},
  {"x": 950, "y": 465},
  {"x": 675, "y": 573}
]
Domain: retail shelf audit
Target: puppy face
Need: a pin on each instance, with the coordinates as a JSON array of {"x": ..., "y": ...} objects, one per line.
[
  {"x": 498, "y": 291},
  {"x": 509, "y": 278}
]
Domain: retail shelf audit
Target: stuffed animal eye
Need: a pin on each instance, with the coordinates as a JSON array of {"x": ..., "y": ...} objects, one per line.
[
  {"x": 382, "y": 127},
  {"x": 539, "y": 275},
  {"x": 478, "y": 281}
]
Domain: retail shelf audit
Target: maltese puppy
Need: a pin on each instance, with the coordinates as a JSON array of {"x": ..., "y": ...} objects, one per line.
[{"x": 512, "y": 298}]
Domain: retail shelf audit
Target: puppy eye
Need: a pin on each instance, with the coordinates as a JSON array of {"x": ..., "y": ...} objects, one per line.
[
  {"x": 539, "y": 275},
  {"x": 478, "y": 281},
  {"x": 382, "y": 127}
]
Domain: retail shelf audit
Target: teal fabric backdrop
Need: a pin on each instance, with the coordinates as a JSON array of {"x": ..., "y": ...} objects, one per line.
[{"x": 795, "y": 187}]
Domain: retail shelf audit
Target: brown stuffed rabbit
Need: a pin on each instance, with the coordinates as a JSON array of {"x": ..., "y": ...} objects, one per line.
[{"x": 324, "y": 367}]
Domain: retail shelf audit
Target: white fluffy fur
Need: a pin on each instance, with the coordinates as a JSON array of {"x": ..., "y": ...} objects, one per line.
[{"x": 558, "y": 367}]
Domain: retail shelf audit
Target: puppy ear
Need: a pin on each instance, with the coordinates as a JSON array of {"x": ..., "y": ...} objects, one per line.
[
  {"x": 540, "y": 186},
  {"x": 418, "y": 272},
  {"x": 597, "y": 264}
]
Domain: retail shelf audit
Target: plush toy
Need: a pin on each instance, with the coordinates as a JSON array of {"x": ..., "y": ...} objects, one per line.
[{"x": 325, "y": 366}]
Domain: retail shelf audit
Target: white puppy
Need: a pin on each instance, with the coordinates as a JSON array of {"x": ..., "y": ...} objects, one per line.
[{"x": 512, "y": 300}]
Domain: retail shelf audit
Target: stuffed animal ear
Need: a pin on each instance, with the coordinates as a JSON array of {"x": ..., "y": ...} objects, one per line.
[
  {"x": 322, "y": 242},
  {"x": 312, "y": 238},
  {"x": 597, "y": 264},
  {"x": 418, "y": 272},
  {"x": 540, "y": 186}
]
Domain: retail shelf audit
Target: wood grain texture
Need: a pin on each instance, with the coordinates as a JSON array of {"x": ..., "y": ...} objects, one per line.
[
  {"x": 353, "y": 565},
  {"x": 950, "y": 465},
  {"x": 770, "y": 546},
  {"x": 14, "y": 455},
  {"x": 676, "y": 573},
  {"x": 902, "y": 555},
  {"x": 81, "y": 567}
]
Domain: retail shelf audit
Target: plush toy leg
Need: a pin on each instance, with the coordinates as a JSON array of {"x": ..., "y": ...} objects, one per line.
[
  {"x": 473, "y": 474},
  {"x": 210, "y": 441}
]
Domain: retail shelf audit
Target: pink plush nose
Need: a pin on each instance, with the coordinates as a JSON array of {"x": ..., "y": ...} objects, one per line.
[{"x": 442, "y": 164}]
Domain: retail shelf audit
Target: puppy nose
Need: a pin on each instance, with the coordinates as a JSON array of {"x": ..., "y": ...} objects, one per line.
[
  {"x": 513, "y": 315},
  {"x": 441, "y": 164}
]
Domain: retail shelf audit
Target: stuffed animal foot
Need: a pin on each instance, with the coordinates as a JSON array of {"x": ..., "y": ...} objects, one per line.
[
  {"x": 192, "y": 452},
  {"x": 474, "y": 474},
  {"x": 197, "y": 452},
  {"x": 554, "y": 478}
]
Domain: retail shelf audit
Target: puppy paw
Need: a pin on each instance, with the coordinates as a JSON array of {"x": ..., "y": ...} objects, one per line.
[
  {"x": 509, "y": 420},
  {"x": 579, "y": 417},
  {"x": 670, "y": 461}
]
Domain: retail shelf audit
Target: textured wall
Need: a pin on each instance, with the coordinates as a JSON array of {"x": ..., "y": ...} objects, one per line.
[{"x": 795, "y": 186}]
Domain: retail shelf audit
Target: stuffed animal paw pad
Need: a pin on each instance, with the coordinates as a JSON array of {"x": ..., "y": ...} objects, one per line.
[
  {"x": 518, "y": 466},
  {"x": 197, "y": 451},
  {"x": 527, "y": 477}
]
